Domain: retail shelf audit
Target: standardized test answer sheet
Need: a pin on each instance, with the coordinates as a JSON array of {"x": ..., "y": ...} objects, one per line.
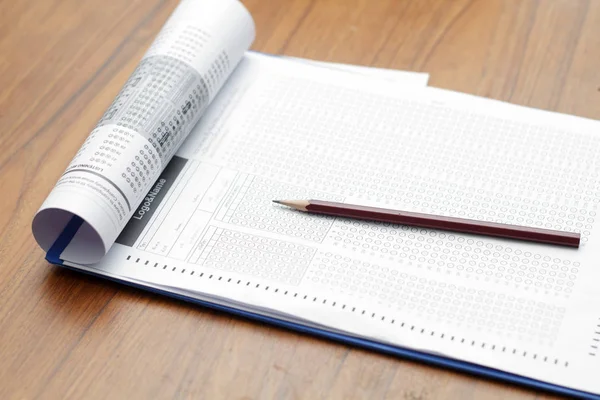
[
  {"x": 203, "y": 225},
  {"x": 290, "y": 131},
  {"x": 176, "y": 80}
]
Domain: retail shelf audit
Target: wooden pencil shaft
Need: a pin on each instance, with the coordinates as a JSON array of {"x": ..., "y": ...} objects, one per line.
[{"x": 570, "y": 239}]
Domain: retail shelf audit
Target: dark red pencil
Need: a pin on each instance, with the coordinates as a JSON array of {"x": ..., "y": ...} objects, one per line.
[{"x": 570, "y": 239}]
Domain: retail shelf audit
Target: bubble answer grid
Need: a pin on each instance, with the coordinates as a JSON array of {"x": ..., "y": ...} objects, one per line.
[
  {"x": 447, "y": 252},
  {"x": 253, "y": 207},
  {"x": 371, "y": 316},
  {"x": 495, "y": 312},
  {"x": 319, "y": 146},
  {"x": 248, "y": 254},
  {"x": 161, "y": 101},
  {"x": 456, "y": 164}
]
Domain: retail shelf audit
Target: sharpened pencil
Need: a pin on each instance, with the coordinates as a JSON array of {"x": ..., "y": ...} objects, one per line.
[{"x": 571, "y": 239}]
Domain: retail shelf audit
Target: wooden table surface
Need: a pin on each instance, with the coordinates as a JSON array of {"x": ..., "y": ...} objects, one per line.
[{"x": 62, "y": 62}]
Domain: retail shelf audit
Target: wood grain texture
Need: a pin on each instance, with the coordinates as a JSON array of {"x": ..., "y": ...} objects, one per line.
[{"x": 63, "y": 335}]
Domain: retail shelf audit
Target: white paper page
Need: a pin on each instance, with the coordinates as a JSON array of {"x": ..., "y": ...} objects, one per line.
[
  {"x": 289, "y": 130},
  {"x": 194, "y": 53},
  {"x": 406, "y": 77}
]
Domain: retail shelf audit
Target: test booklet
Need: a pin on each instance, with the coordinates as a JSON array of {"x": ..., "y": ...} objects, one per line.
[{"x": 172, "y": 192}]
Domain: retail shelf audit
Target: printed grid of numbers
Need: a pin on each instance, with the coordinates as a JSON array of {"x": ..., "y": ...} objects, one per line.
[
  {"x": 499, "y": 313},
  {"x": 253, "y": 207},
  {"x": 253, "y": 255},
  {"x": 440, "y": 161},
  {"x": 414, "y": 156},
  {"x": 161, "y": 101}
]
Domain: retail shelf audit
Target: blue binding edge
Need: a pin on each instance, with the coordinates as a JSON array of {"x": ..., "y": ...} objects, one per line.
[
  {"x": 63, "y": 240},
  {"x": 53, "y": 256}
]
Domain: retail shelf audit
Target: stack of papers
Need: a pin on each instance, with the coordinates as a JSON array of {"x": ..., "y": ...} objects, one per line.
[{"x": 172, "y": 192}]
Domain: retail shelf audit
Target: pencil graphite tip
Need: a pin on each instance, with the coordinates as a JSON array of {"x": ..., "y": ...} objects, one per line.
[{"x": 297, "y": 204}]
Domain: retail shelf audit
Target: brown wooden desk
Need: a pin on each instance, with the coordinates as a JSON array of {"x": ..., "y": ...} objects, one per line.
[{"x": 62, "y": 62}]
